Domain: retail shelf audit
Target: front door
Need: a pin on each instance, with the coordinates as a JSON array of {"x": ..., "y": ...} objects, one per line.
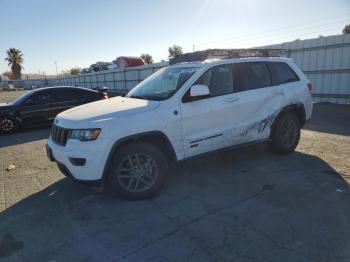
[
  {"x": 206, "y": 121},
  {"x": 36, "y": 109}
]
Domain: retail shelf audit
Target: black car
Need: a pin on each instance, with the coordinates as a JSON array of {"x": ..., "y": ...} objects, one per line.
[{"x": 40, "y": 106}]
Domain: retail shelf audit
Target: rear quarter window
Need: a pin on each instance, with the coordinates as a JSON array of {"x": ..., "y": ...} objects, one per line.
[
  {"x": 86, "y": 95},
  {"x": 282, "y": 73},
  {"x": 79, "y": 95}
]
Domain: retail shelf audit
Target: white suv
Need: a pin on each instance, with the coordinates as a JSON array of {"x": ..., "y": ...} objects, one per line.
[{"x": 179, "y": 112}]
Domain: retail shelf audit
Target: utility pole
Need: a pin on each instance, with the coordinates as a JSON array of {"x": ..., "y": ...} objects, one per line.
[
  {"x": 193, "y": 48},
  {"x": 56, "y": 68}
]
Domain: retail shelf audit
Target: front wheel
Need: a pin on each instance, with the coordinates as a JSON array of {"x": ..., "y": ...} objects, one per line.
[
  {"x": 8, "y": 125},
  {"x": 286, "y": 134},
  {"x": 137, "y": 171}
]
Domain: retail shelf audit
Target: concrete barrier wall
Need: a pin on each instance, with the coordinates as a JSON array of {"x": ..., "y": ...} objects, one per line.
[
  {"x": 325, "y": 61},
  {"x": 119, "y": 80}
]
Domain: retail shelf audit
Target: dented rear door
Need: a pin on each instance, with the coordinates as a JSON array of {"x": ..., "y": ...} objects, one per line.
[{"x": 256, "y": 103}]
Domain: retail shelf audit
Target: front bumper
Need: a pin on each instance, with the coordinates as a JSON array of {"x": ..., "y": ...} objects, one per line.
[{"x": 94, "y": 152}]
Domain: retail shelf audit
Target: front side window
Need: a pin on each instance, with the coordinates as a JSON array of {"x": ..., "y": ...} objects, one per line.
[
  {"x": 162, "y": 84},
  {"x": 23, "y": 98},
  {"x": 219, "y": 80},
  {"x": 281, "y": 73},
  {"x": 251, "y": 75},
  {"x": 39, "y": 99}
]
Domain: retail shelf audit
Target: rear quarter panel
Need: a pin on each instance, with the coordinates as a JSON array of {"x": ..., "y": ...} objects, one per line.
[{"x": 298, "y": 92}]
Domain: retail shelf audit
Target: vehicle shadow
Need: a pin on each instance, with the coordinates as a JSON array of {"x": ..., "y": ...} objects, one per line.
[
  {"x": 25, "y": 136},
  {"x": 330, "y": 118},
  {"x": 246, "y": 198}
]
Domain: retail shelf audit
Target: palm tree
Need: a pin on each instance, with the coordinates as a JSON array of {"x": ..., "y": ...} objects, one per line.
[{"x": 15, "y": 59}]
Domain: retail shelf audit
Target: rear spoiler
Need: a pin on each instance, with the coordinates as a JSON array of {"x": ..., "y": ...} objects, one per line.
[{"x": 103, "y": 89}]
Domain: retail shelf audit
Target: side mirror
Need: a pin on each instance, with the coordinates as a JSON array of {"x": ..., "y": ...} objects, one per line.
[{"x": 199, "y": 91}]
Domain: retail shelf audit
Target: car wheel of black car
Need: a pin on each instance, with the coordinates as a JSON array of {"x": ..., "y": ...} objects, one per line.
[
  {"x": 137, "y": 171},
  {"x": 286, "y": 134},
  {"x": 8, "y": 125}
]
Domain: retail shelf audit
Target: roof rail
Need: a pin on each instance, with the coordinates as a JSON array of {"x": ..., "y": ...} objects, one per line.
[{"x": 200, "y": 56}]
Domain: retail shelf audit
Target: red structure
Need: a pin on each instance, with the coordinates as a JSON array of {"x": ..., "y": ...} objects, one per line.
[{"x": 129, "y": 61}]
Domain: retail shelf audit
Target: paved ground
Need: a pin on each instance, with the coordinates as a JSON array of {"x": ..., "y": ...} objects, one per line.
[
  {"x": 244, "y": 205},
  {"x": 9, "y": 96}
]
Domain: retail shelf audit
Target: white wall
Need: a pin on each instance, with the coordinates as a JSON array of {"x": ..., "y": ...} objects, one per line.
[{"x": 326, "y": 62}]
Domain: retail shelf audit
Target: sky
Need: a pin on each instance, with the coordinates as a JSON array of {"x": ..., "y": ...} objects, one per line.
[{"x": 77, "y": 33}]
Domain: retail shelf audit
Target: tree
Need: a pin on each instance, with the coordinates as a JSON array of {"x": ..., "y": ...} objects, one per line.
[
  {"x": 75, "y": 71},
  {"x": 147, "y": 58},
  {"x": 8, "y": 74},
  {"x": 346, "y": 29},
  {"x": 15, "y": 60},
  {"x": 174, "y": 51}
]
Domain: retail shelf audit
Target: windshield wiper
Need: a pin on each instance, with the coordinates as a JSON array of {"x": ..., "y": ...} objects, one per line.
[
  {"x": 138, "y": 97},
  {"x": 153, "y": 98}
]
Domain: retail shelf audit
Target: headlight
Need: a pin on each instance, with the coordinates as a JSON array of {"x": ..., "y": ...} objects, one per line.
[{"x": 85, "y": 134}]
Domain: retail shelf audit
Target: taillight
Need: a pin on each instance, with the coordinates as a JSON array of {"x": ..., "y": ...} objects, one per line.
[
  {"x": 310, "y": 86},
  {"x": 103, "y": 96}
]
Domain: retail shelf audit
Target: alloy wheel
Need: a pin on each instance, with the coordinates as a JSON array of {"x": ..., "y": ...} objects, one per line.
[
  {"x": 289, "y": 133},
  {"x": 6, "y": 125},
  {"x": 137, "y": 172}
]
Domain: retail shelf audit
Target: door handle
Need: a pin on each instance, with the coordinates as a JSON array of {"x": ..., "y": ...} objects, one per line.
[{"x": 232, "y": 99}]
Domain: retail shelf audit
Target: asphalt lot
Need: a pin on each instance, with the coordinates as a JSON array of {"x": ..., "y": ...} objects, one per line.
[{"x": 242, "y": 205}]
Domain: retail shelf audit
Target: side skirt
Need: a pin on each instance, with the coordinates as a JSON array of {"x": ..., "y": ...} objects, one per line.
[{"x": 261, "y": 141}]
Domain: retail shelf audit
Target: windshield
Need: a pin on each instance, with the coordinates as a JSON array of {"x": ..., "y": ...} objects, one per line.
[
  {"x": 162, "y": 84},
  {"x": 22, "y": 98}
]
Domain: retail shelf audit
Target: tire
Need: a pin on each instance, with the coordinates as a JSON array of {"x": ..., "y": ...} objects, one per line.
[
  {"x": 137, "y": 171},
  {"x": 8, "y": 125},
  {"x": 286, "y": 134}
]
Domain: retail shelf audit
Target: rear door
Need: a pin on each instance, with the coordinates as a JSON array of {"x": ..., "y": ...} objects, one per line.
[
  {"x": 70, "y": 97},
  {"x": 258, "y": 101},
  {"x": 60, "y": 101}
]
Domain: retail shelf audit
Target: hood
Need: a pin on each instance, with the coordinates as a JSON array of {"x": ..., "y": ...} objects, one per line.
[
  {"x": 5, "y": 106},
  {"x": 104, "y": 110}
]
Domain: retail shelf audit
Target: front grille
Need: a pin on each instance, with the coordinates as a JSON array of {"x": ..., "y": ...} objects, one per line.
[{"x": 60, "y": 135}]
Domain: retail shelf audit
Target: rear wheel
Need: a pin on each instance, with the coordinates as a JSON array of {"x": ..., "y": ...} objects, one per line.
[
  {"x": 286, "y": 134},
  {"x": 8, "y": 125},
  {"x": 137, "y": 171}
]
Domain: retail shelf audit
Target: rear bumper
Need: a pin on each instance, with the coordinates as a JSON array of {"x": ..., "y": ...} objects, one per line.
[{"x": 93, "y": 152}]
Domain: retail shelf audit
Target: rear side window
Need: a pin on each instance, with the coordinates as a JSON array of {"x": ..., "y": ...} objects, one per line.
[
  {"x": 219, "y": 79},
  {"x": 61, "y": 95},
  {"x": 71, "y": 95},
  {"x": 281, "y": 73},
  {"x": 251, "y": 75}
]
